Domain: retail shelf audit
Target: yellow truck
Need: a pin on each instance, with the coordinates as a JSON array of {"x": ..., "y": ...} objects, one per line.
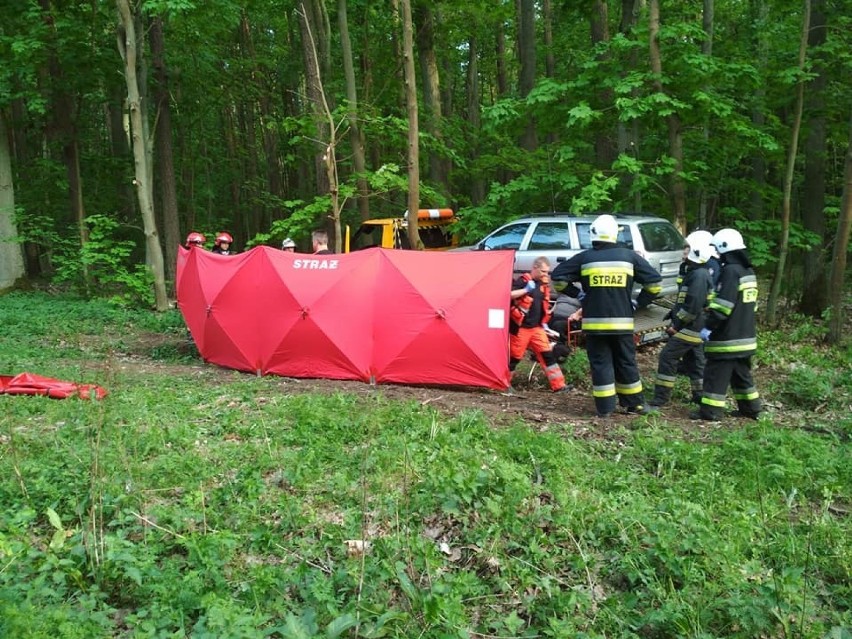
[{"x": 434, "y": 226}]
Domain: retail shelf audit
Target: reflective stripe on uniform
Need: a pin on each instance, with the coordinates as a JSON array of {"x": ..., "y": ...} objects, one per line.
[
  {"x": 685, "y": 316},
  {"x": 598, "y": 268},
  {"x": 629, "y": 389},
  {"x": 745, "y": 393},
  {"x": 714, "y": 400},
  {"x": 666, "y": 380},
  {"x": 748, "y": 281},
  {"x": 614, "y": 274},
  {"x": 731, "y": 346},
  {"x": 654, "y": 288},
  {"x": 604, "y": 390},
  {"x": 723, "y": 306},
  {"x": 608, "y": 324},
  {"x": 689, "y": 336}
]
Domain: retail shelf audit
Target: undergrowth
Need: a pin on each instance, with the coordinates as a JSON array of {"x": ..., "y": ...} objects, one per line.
[{"x": 189, "y": 504}]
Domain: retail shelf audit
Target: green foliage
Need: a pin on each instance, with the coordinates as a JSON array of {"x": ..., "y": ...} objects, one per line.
[
  {"x": 817, "y": 378},
  {"x": 103, "y": 265},
  {"x": 762, "y": 238},
  {"x": 191, "y": 503}
]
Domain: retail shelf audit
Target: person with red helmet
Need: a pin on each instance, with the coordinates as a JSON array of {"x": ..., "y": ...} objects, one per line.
[
  {"x": 195, "y": 239},
  {"x": 222, "y": 244}
]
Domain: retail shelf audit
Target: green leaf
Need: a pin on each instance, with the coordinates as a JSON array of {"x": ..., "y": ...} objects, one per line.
[
  {"x": 405, "y": 583},
  {"x": 340, "y": 625},
  {"x": 58, "y": 540},
  {"x": 55, "y": 521}
]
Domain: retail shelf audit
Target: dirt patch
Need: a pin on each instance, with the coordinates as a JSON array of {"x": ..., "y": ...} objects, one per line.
[{"x": 532, "y": 403}]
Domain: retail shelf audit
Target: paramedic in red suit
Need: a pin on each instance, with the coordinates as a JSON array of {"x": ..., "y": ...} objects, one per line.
[{"x": 530, "y": 313}]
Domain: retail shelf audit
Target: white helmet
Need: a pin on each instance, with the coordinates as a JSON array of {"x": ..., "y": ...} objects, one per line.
[
  {"x": 699, "y": 237},
  {"x": 700, "y": 252},
  {"x": 604, "y": 229},
  {"x": 728, "y": 240},
  {"x": 288, "y": 243}
]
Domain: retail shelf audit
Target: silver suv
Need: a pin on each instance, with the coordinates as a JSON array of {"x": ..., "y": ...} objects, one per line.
[{"x": 560, "y": 236}]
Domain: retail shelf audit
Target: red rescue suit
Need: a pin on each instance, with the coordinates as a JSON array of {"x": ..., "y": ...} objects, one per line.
[{"x": 529, "y": 314}]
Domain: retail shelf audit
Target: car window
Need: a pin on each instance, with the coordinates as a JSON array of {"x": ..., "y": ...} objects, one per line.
[
  {"x": 660, "y": 236},
  {"x": 509, "y": 237},
  {"x": 550, "y": 236},
  {"x": 584, "y": 235}
]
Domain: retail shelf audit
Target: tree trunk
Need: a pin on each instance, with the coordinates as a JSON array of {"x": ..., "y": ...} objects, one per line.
[
  {"x": 477, "y": 184},
  {"x": 500, "y": 54},
  {"x": 760, "y": 17},
  {"x": 438, "y": 169},
  {"x": 707, "y": 50},
  {"x": 397, "y": 50},
  {"x": 127, "y": 48},
  {"x": 526, "y": 79},
  {"x": 250, "y": 214},
  {"x": 356, "y": 139},
  {"x": 328, "y": 158},
  {"x": 549, "y": 58},
  {"x": 321, "y": 28},
  {"x": 315, "y": 96},
  {"x": 165, "y": 157},
  {"x": 605, "y": 151},
  {"x": 63, "y": 129},
  {"x": 792, "y": 152},
  {"x": 413, "y": 126},
  {"x": 815, "y": 289},
  {"x": 678, "y": 189},
  {"x": 628, "y": 132},
  {"x": 841, "y": 246},
  {"x": 11, "y": 257}
]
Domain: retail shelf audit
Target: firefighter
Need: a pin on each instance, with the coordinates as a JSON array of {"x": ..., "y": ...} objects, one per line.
[
  {"x": 684, "y": 352},
  {"x": 713, "y": 266},
  {"x": 222, "y": 244},
  {"x": 288, "y": 245},
  {"x": 195, "y": 239},
  {"x": 530, "y": 314},
  {"x": 730, "y": 333},
  {"x": 607, "y": 272}
]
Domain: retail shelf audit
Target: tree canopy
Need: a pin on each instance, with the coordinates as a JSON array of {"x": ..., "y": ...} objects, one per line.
[{"x": 685, "y": 110}]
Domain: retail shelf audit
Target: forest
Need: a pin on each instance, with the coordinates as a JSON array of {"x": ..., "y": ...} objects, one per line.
[
  {"x": 124, "y": 125},
  {"x": 198, "y": 501}
]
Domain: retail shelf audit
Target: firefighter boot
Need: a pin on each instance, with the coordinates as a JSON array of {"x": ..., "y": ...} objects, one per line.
[{"x": 661, "y": 395}]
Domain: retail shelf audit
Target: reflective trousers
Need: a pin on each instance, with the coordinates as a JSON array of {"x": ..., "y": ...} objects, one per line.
[
  {"x": 612, "y": 359},
  {"x": 718, "y": 374},
  {"x": 679, "y": 357},
  {"x": 535, "y": 339}
]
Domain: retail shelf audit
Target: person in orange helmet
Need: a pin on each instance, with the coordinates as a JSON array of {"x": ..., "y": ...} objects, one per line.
[
  {"x": 222, "y": 244},
  {"x": 195, "y": 239}
]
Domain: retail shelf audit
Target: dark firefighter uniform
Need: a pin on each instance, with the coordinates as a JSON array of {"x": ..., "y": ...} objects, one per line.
[
  {"x": 684, "y": 352},
  {"x": 529, "y": 314},
  {"x": 730, "y": 318},
  {"x": 607, "y": 272}
]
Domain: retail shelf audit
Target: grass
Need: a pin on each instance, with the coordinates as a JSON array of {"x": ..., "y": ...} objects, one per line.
[{"x": 197, "y": 503}]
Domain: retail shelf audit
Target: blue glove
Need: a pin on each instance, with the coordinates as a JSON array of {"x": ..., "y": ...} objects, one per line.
[
  {"x": 634, "y": 304},
  {"x": 581, "y": 295},
  {"x": 531, "y": 286},
  {"x": 705, "y": 334}
]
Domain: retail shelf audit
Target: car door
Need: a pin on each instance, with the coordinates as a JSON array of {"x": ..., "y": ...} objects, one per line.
[
  {"x": 663, "y": 248},
  {"x": 548, "y": 238},
  {"x": 508, "y": 237}
]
